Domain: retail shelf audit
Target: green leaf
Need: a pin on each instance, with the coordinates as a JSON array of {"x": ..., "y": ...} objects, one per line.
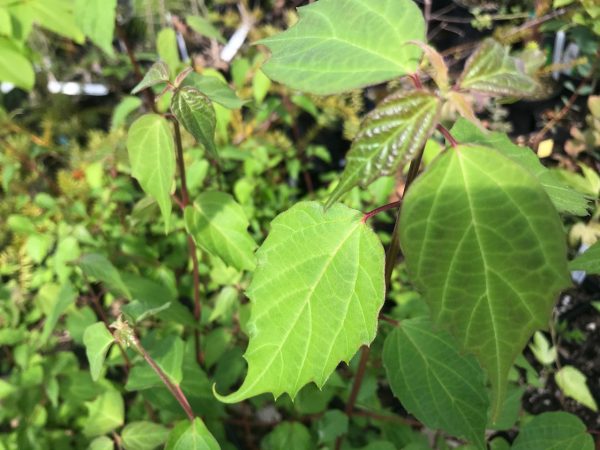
[
  {"x": 485, "y": 246},
  {"x": 167, "y": 353},
  {"x": 143, "y": 435},
  {"x": 66, "y": 297},
  {"x": 434, "y": 381},
  {"x": 125, "y": 107},
  {"x": 316, "y": 293},
  {"x": 6, "y": 27},
  {"x": 288, "y": 436},
  {"x": 102, "y": 443},
  {"x": 389, "y": 136},
  {"x": 152, "y": 157},
  {"x": 541, "y": 349},
  {"x": 97, "y": 340},
  {"x": 98, "y": 267},
  {"x": 219, "y": 226},
  {"x": 340, "y": 45},
  {"x": 203, "y": 27},
  {"x": 588, "y": 261},
  {"x": 168, "y": 51},
  {"x": 96, "y": 18},
  {"x": 554, "y": 431},
  {"x": 565, "y": 199},
  {"x": 574, "y": 384},
  {"x": 196, "y": 113},
  {"x": 491, "y": 70},
  {"x": 215, "y": 89},
  {"x": 158, "y": 73},
  {"x": 331, "y": 425},
  {"x": 15, "y": 67},
  {"x": 192, "y": 436},
  {"x": 105, "y": 414},
  {"x": 57, "y": 16}
]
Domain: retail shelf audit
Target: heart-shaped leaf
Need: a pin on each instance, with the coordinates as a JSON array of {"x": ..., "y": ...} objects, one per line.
[
  {"x": 196, "y": 113},
  {"x": 316, "y": 294},
  {"x": 389, "y": 136},
  {"x": 339, "y": 45},
  {"x": 486, "y": 247}
]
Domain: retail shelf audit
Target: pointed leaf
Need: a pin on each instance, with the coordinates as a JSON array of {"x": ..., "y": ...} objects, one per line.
[
  {"x": 96, "y": 18},
  {"x": 215, "y": 89},
  {"x": 589, "y": 261},
  {"x": 219, "y": 226},
  {"x": 491, "y": 70},
  {"x": 315, "y": 295},
  {"x": 196, "y": 113},
  {"x": 554, "y": 431},
  {"x": 152, "y": 157},
  {"x": 97, "y": 340},
  {"x": 435, "y": 382},
  {"x": 565, "y": 199},
  {"x": 339, "y": 45},
  {"x": 99, "y": 268},
  {"x": 486, "y": 247},
  {"x": 158, "y": 73},
  {"x": 105, "y": 414},
  {"x": 143, "y": 435},
  {"x": 389, "y": 136},
  {"x": 574, "y": 384},
  {"x": 192, "y": 436}
]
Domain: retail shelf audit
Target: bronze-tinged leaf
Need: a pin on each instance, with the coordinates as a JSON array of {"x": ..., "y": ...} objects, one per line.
[
  {"x": 196, "y": 113},
  {"x": 390, "y": 136}
]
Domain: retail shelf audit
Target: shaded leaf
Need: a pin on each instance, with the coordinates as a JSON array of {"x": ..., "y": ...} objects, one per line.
[
  {"x": 288, "y": 436},
  {"x": 196, "y": 113},
  {"x": 389, "y": 136},
  {"x": 316, "y": 293},
  {"x": 554, "y": 431},
  {"x": 167, "y": 353},
  {"x": 434, "y": 381},
  {"x": 491, "y": 70},
  {"x": 105, "y": 414},
  {"x": 574, "y": 384},
  {"x": 98, "y": 267},
  {"x": 152, "y": 156},
  {"x": 191, "y": 436},
  {"x": 485, "y": 245},
  {"x": 219, "y": 226},
  {"x": 143, "y": 435},
  {"x": 339, "y": 45},
  {"x": 97, "y": 340},
  {"x": 203, "y": 27},
  {"x": 158, "y": 73},
  {"x": 96, "y": 18},
  {"x": 565, "y": 199},
  {"x": 125, "y": 107},
  {"x": 66, "y": 297},
  {"x": 589, "y": 261}
]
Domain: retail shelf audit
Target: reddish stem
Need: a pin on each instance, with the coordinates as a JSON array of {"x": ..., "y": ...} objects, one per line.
[
  {"x": 442, "y": 129},
  {"x": 383, "y": 208}
]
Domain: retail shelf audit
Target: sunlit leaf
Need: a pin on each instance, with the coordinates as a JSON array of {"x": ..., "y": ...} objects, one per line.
[
  {"x": 491, "y": 70},
  {"x": 215, "y": 89},
  {"x": 158, "y": 73},
  {"x": 434, "y": 381},
  {"x": 191, "y": 436},
  {"x": 339, "y": 45},
  {"x": 97, "y": 340},
  {"x": 152, "y": 157},
  {"x": 315, "y": 295},
  {"x": 219, "y": 225},
  {"x": 389, "y": 136},
  {"x": 554, "y": 431},
  {"x": 485, "y": 245},
  {"x": 15, "y": 67},
  {"x": 168, "y": 50},
  {"x": 573, "y": 383},
  {"x": 96, "y": 18},
  {"x": 57, "y": 16},
  {"x": 196, "y": 113}
]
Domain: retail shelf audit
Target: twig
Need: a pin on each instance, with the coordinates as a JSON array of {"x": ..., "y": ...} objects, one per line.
[
  {"x": 185, "y": 201},
  {"x": 383, "y": 208},
  {"x": 388, "y": 319}
]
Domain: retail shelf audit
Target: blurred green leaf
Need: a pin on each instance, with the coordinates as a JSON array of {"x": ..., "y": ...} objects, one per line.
[{"x": 97, "y": 340}]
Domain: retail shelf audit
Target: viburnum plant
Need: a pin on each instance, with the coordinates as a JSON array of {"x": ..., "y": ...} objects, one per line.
[{"x": 479, "y": 229}]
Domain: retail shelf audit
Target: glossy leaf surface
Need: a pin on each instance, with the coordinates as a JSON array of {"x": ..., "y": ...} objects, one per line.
[
  {"x": 158, "y": 73},
  {"x": 485, "y": 245},
  {"x": 196, "y": 113},
  {"x": 565, "y": 199},
  {"x": 554, "y": 431},
  {"x": 339, "y": 45},
  {"x": 434, "y": 381},
  {"x": 152, "y": 157},
  {"x": 315, "y": 295},
  {"x": 219, "y": 226},
  {"x": 97, "y": 340},
  {"x": 389, "y": 136},
  {"x": 491, "y": 70},
  {"x": 191, "y": 436}
]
